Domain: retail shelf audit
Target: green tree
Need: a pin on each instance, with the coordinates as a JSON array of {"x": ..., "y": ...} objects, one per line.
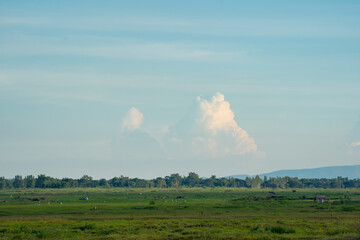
[
  {"x": 283, "y": 182},
  {"x": 30, "y": 181},
  {"x": 192, "y": 179},
  {"x": 223, "y": 182},
  {"x": 2, "y": 183},
  {"x": 69, "y": 183},
  {"x": 115, "y": 182},
  {"x": 41, "y": 181},
  {"x": 18, "y": 182},
  {"x": 174, "y": 180},
  {"x": 103, "y": 183},
  {"x": 160, "y": 182},
  {"x": 294, "y": 183},
  {"x": 248, "y": 181},
  {"x": 256, "y": 182},
  {"x": 232, "y": 182},
  {"x": 125, "y": 181},
  {"x": 85, "y": 181},
  {"x": 210, "y": 182}
]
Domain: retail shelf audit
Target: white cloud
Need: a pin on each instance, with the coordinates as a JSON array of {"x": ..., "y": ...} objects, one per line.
[
  {"x": 134, "y": 144},
  {"x": 208, "y": 135},
  {"x": 210, "y": 130},
  {"x": 217, "y": 117},
  {"x": 355, "y": 144},
  {"x": 132, "y": 120}
]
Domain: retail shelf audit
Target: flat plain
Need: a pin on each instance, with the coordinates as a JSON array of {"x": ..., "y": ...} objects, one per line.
[{"x": 184, "y": 213}]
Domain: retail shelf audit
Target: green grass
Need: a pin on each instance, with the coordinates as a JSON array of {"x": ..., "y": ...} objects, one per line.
[{"x": 205, "y": 213}]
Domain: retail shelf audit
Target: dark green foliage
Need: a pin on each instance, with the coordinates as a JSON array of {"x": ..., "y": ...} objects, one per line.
[
  {"x": 86, "y": 181},
  {"x": 18, "y": 182},
  {"x": 86, "y": 226},
  {"x": 177, "y": 181},
  {"x": 2, "y": 183},
  {"x": 280, "y": 230},
  {"x": 30, "y": 181},
  {"x": 348, "y": 209}
]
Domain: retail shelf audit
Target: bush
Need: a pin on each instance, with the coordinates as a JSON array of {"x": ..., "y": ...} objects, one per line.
[
  {"x": 281, "y": 230},
  {"x": 255, "y": 228},
  {"x": 87, "y": 226},
  {"x": 348, "y": 209}
]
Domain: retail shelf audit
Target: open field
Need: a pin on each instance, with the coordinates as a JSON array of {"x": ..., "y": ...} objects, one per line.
[{"x": 119, "y": 213}]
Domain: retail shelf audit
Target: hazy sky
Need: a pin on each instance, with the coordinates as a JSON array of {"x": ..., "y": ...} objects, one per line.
[{"x": 150, "y": 88}]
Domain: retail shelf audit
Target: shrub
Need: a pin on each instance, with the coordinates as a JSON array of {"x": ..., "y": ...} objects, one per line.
[
  {"x": 255, "y": 228},
  {"x": 281, "y": 230},
  {"x": 348, "y": 208},
  {"x": 87, "y": 226}
]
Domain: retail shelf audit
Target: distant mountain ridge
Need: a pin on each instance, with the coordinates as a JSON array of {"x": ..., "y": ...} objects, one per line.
[{"x": 350, "y": 172}]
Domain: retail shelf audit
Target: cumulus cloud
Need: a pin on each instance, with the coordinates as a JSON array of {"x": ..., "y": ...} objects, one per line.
[
  {"x": 132, "y": 120},
  {"x": 210, "y": 130},
  {"x": 134, "y": 143},
  {"x": 207, "y": 135},
  {"x": 217, "y": 117},
  {"x": 355, "y": 144}
]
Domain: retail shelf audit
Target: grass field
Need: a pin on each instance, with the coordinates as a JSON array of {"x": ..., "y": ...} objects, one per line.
[{"x": 219, "y": 213}]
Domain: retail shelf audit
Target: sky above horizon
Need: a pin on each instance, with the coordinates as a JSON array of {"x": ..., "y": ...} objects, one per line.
[{"x": 151, "y": 88}]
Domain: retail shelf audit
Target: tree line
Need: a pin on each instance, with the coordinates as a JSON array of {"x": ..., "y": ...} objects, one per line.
[{"x": 176, "y": 181}]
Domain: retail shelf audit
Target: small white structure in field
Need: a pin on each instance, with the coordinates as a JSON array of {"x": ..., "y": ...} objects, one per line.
[{"x": 321, "y": 199}]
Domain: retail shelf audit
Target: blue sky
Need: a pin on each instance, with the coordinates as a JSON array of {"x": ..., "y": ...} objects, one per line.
[{"x": 71, "y": 71}]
